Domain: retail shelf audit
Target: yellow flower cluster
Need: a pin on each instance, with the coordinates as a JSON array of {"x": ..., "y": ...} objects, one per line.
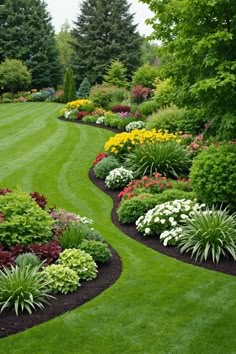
[
  {"x": 124, "y": 142},
  {"x": 77, "y": 104}
]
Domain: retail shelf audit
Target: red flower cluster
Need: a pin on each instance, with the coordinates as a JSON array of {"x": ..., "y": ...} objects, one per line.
[
  {"x": 1, "y": 217},
  {"x": 81, "y": 115},
  {"x": 155, "y": 184},
  {"x": 121, "y": 109},
  {"x": 99, "y": 157}
]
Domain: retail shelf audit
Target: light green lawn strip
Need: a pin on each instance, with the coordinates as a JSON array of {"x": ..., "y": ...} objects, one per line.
[{"x": 159, "y": 305}]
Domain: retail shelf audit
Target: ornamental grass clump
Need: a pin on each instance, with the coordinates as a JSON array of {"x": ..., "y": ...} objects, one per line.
[
  {"x": 169, "y": 158},
  {"x": 23, "y": 288},
  {"x": 79, "y": 261},
  {"x": 118, "y": 178},
  {"x": 209, "y": 234},
  {"x": 167, "y": 216},
  {"x": 62, "y": 279},
  {"x": 27, "y": 259},
  {"x": 122, "y": 144}
]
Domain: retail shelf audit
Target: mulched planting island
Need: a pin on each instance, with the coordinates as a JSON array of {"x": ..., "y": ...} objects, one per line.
[
  {"x": 107, "y": 274},
  {"x": 227, "y": 266}
]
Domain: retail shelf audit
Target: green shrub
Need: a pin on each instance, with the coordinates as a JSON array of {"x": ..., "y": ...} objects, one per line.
[
  {"x": 169, "y": 118},
  {"x": 62, "y": 279},
  {"x": 145, "y": 75},
  {"x": 148, "y": 107},
  {"x": 73, "y": 235},
  {"x": 93, "y": 235},
  {"x": 84, "y": 88},
  {"x": 106, "y": 96},
  {"x": 87, "y": 107},
  {"x": 194, "y": 121},
  {"x": 116, "y": 74},
  {"x": 213, "y": 175},
  {"x": 23, "y": 288},
  {"x": 169, "y": 158},
  {"x": 24, "y": 221},
  {"x": 90, "y": 119},
  {"x": 131, "y": 209},
  {"x": 173, "y": 194},
  {"x": 164, "y": 93},
  {"x": 209, "y": 234},
  {"x": 98, "y": 250},
  {"x": 27, "y": 259},
  {"x": 79, "y": 261},
  {"x": 103, "y": 167}
]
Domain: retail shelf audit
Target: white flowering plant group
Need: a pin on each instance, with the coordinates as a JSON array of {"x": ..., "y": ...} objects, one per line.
[
  {"x": 100, "y": 120},
  {"x": 167, "y": 216},
  {"x": 118, "y": 178},
  {"x": 135, "y": 125}
]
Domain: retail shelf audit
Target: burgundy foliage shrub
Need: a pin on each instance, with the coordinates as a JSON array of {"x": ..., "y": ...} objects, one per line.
[
  {"x": 121, "y": 109},
  {"x": 140, "y": 93},
  {"x": 40, "y": 199}
]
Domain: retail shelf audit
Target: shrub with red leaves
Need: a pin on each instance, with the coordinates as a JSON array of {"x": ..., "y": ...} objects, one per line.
[
  {"x": 5, "y": 191},
  {"x": 6, "y": 258},
  {"x": 140, "y": 93},
  {"x": 81, "y": 115},
  {"x": 154, "y": 184},
  {"x": 99, "y": 157},
  {"x": 1, "y": 217},
  {"x": 48, "y": 252},
  {"x": 121, "y": 109},
  {"x": 40, "y": 199}
]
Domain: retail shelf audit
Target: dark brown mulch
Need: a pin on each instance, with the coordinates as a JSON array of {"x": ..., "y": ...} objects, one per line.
[
  {"x": 114, "y": 130},
  {"x": 227, "y": 266},
  {"x": 107, "y": 274}
]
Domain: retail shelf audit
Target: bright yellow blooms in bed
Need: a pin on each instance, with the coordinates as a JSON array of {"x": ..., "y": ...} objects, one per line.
[
  {"x": 124, "y": 142},
  {"x": 77, "y": 104}
]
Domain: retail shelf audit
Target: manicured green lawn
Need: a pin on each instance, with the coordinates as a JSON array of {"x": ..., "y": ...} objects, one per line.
[{"x": 159, "y": 305}]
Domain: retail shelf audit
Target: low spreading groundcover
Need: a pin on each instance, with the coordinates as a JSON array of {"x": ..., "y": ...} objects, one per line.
[{"x": 159, "y": 304}]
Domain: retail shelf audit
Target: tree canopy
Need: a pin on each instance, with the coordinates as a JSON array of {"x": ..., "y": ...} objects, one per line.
[
  {"x": 199, "y": 44},
  {"x": 26, "y": 34},
  {"x": 14, "y": 75},
  {"x": 104, "y": 31}
]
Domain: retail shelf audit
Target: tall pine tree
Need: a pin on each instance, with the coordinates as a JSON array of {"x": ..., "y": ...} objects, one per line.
[
  {"x": 27, "y": 34},
  {"x": 104, "y": 31}
]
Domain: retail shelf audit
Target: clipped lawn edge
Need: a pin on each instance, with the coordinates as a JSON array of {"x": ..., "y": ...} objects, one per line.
[
  {"x": 108, "y": 273},
  {"x": 226, "y": 266}
]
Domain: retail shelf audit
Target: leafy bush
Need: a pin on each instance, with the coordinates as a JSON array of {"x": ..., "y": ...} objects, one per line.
[
  {"x": 131, "y": 209},
  {"x": 169, "y": 118},
  {"x": 167, "y": 216},
  {"x": 168, "y": 158},
  {"x": 47, "y": 252},
  {"x": 89, "y": 119},
  {"x": 194, "y": 121},
  {"x": 145, "y": 75},
  {"x": 148, "y": 107},
  {"x": 164, "y": 93},
  {"x": 118, "y": 178},
  {"x": 120, "y": 108},
  {"x": 62, "y": 279},
  {"x": 173, "y": 194},
  {"x": 81, "y": 262},
  {"x": 23, "y": 288},
  {"x": 72, "y": 236},
  {"x": 98, "y": 250},
  {"x": 139, "y": 93},
  {"x": 24, "y": 221},
  {"x": 103, "y": 167},
  {"x": 27, "y": 259},
  {"x": 209, "y": 234},
  {"x": 213, "y": 175},
  {"x": 102, "y": 95},
  {"x": 139, "y": 124},
  {"x": 93, "y": 235}
]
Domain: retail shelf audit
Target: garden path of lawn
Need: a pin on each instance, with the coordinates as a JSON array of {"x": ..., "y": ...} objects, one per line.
[{"x": 159, "y": 305}]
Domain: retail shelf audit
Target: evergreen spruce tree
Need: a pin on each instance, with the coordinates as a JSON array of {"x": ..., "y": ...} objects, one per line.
[
  {"x": 104, "y": 31},
  {"x": 84, "y": 88},
  {"x": 27, "y": 34},
  {"x": 116, "y": 74},
  {"x": 69, "y": 86}
]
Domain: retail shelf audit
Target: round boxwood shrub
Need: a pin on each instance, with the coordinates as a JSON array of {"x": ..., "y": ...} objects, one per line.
[
  {"x": 61, "y": 279},
  {"x": 173, "y": 194},
  {"x": 131, "y": 209},
  {"x": 213, "y": 175},
  {"x": 98, "y": 250},
  {"x": 103, "y": 167},
  {"x": 24, "y": 222},
  {"x": 79, "y": 261}
]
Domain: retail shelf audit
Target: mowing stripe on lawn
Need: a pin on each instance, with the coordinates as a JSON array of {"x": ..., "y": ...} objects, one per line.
[{"x": 159, "y": 305}]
